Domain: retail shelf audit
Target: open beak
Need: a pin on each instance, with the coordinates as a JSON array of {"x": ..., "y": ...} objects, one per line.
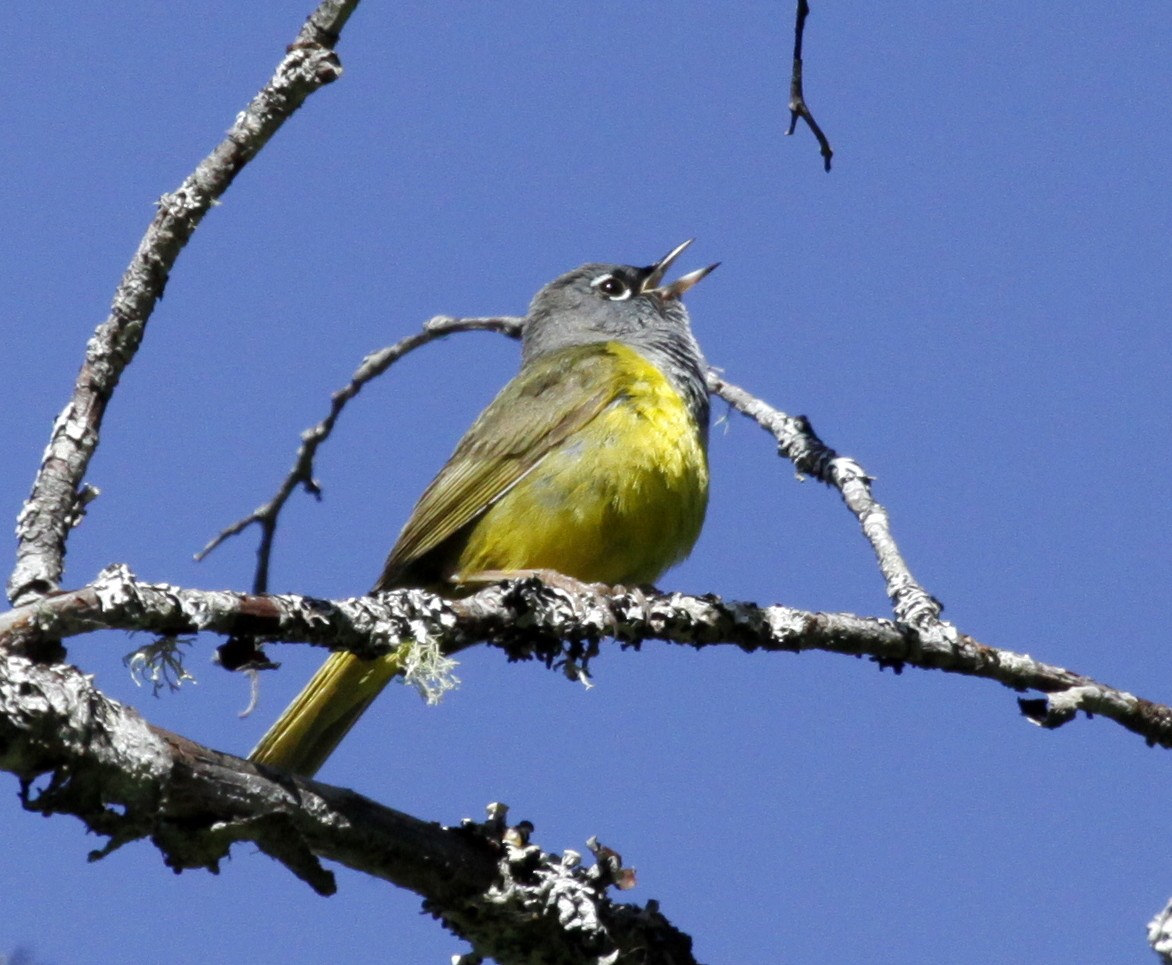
[{"x": 656, "y": 272}]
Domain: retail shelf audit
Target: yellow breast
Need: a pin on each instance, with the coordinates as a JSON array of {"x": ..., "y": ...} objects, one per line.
[{"x": 619, "y": 501}]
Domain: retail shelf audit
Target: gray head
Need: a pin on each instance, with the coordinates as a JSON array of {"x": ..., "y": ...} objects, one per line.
[{"x": 621, "y": 303}]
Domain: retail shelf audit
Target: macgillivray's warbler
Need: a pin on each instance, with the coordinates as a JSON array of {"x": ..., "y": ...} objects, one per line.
[{"x": 592, "y": 462}]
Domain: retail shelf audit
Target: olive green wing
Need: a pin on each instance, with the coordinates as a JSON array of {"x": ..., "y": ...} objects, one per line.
[{"x": 549, "y": 400}]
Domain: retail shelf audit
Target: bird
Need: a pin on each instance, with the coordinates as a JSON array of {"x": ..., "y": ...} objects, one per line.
[{"x": 592, "y": 463}]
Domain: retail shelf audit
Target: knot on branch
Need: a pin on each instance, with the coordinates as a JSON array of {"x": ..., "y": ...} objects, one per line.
[
  {"x": 550, "y": 908},
  {"x": 314, "y": 60},
  {"x": 1054, "y": 710}
]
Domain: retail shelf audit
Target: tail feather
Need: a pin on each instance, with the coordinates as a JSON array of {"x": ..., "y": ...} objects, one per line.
[{"x": 323, "y": 713}]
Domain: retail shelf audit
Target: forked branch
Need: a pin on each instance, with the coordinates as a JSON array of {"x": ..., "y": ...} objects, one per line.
[{"x": 798, "y": 108}]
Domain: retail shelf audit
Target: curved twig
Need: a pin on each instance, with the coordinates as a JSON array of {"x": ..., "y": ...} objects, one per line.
[
  {"x": 58, "y": 495},
  {"x": 301, "y": 474}
]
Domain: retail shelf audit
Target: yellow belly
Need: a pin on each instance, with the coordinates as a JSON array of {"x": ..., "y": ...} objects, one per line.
[{"x": 620, "y": 501}]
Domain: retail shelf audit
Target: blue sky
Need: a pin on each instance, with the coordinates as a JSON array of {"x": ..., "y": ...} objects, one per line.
[{"x": 974, "y": 304}]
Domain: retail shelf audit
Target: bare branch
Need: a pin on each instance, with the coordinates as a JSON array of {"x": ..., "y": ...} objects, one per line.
[
  {"x": 301, "y": 474},
  {"x": 797, "y": 441},
  {"x": 58, "y": 496},
  {"x": 797, "y": 98},
  {"x": 530, "y": 620},
  {"x": 77, "y": 752}
]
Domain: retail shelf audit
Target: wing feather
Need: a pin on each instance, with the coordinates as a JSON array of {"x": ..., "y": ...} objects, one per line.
[{"x": 541, "y": 408}]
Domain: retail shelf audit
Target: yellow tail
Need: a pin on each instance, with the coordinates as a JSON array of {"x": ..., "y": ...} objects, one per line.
[{"x": 322, "y": 714}]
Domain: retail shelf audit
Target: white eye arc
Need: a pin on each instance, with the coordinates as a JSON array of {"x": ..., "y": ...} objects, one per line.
[{"x": 613, "y": 288}]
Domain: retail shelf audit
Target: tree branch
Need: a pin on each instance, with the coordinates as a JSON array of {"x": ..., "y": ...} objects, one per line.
[
  {"x": 77, "y": 752},
  {"x": 530, "y": 620},
  {"x": 58, "y": 498},
  {"x": 797, "y": 441},
  {"x": 797, "y": 98}
]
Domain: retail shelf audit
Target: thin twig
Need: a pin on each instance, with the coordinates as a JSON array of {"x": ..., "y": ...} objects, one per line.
[
  {"x": 797, "y": 441},
  {"x": 797, "y": 98},
  {"x": 301, "y": 474},
  {"x": 58, "y": 494}
]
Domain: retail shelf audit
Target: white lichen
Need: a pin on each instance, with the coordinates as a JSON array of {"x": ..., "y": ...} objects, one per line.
[
  {"x": 160, "y": 664},
  {"x": 427, "y": 668}
]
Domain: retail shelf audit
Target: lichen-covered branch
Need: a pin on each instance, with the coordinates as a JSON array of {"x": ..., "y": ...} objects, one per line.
[
  {"x": 59, "y": 496},
  {"x": 77, "y": 752},
  {"x": 530, "y": 620},
  {"x": 797, "y": 441}
]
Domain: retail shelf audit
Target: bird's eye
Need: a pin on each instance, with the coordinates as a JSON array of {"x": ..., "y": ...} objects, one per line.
[{"x": 613, "y": 288}]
